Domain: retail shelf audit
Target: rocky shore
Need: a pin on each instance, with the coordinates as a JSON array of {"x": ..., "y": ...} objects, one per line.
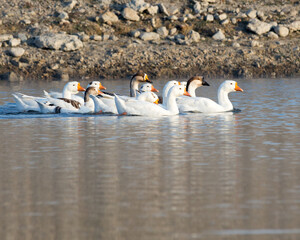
[{"x": 77, "y": 39}]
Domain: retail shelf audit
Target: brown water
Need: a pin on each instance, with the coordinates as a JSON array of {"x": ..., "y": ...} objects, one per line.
[{"x": 194, "y": 176}]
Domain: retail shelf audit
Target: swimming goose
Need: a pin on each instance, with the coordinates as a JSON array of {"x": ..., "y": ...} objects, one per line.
[
  {"x": 55, "y": 105},
  {"x": 206, "y": 105},
  {"x": 96, "y": 84},
  {"x": 149, "y": 109},
  {"x": 27, "y": 103}
]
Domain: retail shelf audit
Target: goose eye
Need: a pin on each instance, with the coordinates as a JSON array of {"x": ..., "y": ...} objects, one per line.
[{"x": 231, "y": 83}]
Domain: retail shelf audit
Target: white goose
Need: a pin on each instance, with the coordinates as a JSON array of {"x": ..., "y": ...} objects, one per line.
[
  {"x": 148, "y": 109},
  {"x": 107, "y": 105},
  {"x": 27, "y": 103},
  {"x": 70, "y": 106},
  {"x": 96, "y": 84},
  {"x": 206, "y": 105}
]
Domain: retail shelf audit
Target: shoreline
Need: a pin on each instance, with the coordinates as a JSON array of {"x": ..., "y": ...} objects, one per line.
[{"x": 54, "y": 49}]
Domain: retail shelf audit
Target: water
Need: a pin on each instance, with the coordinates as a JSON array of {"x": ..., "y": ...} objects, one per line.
[{"x": 194, "y": 176}]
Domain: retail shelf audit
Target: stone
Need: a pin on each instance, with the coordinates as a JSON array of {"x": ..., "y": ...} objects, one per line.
[
  {"x": 14, "y": 42},
  {"x": 224, "y": 22},
  {"x": 162, "y": 31},
  {"x": 5, "y": 37},
  {"x": 293, "y": 26},
  {"x": 105, "y": 37},
  {"x": 130, "y": 14},
  {"x": 155, "y": 22},
  {"x": 58, "y": 41},
  {"x": 258, "y": 26},
  {"x": 135, "y": 33},
  {"x": 96, "y": 37},
  {"x": 16, "y": 52},
  {"x": 149, "y": 36},
  {"x": 219, "y": 35},
  {"x": 153, "y": 10},
  {"x": 68, "y": 6},
  {"x": 210, "y": 9},
  {"x": 163, "y": 9},
  {"x": 235, "y": 45},
  {"x": 63, "y": 16},
  {"x": 25, "y": 21},
  {"x": 222, "y": 16},
  {"x": 173, "y": 10},
  {"x": 233, "y": 20},
  {"x": 272, "y": 35},
  {"x": 138, "y": 5},
  {"x": 254, "y": 43},
  {"x": 197, "y": 7},
  {"x": 173, "y": 31},
  {"x": 193, "y": 36},
  {"x": 209, "y": 18},
  {"x": 83, "y": 37},
  {"x": 282, "y": 31},
  {"x": 109, "y": 17},
  {"x": 22, "y": 37},
  {"x": 61, "y": 76},
  {"x": 251, "y": 13},
  {"x": 261, "y": 15},
  {"x": 10, "y": 76},
  {"x": 173, "y": 18}
]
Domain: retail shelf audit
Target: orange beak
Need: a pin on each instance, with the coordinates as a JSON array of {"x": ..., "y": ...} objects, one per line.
[
  {"x": 156, "y": 102},
  {"x": 79, "y": 88},
  {"x": 154, "y": 89},
  {"x": 99, "y": 92},
  {"x": 186, "y": 93},
  {"x": 179, "y": 83},
  {"x": 237, "y": 88},
  {"x": 102, "y": 87}
]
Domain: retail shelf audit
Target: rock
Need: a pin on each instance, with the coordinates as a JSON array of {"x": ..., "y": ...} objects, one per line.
[
  {"x": 10, "y": 76},
  {"x": 63, "y": 16},
  {"x": 219, "y": 35},
  {"x": 173, "y": 18},
  {"x": 105, "y": 37},
  {"x": 226, "y": 21},
  {"x": 233, "y": 20},
  {"x": 149, "y": 36},
  {"x": 210, "y": 9},
  {"x": 155, "y": 22},
  {"x": 251, "y": 13},
  {"x": 235, "y": 45},
  {"x": 16, "y": 52},
  {"x": 173, "y": 10},
  {"x": 5, "y": 37},
  {"x": 260, "y": 14},
  {"x": 96, "y": 37},
  {"x": 193, "y": 36},
  {"x": 138, "y": 5},
  {"x": 197, "y": 7},
  {"x": 254, "y": 43},
  {"x": 68, "y": 6},
  {"x": 61, "y": 76},
  {"x": 209, "y": 18},
  {"x": 83, "y": 37},
  {"x": 173, "y": 31},
  {"x": 130, "y": 14},
  {"x": 294, "y": 26},
  {"x": 109, "y": 17},
  {"x": 272, "y": 35},
  {"x": 281, "y": 30},
  {"x": 25, "y": 21},
  {"x": 222, "y": 17},
  {"x": 153, "y": 10},
  {"x": 135, "y": 33},
  {"x": 163, "y": 9},
  {"x": 14, "y": 42},
  {"x": 22, "y": 37},
  {"x": 59, "y": 41},
  {"x": 162, "y": 31},
  {"x": 258, "y": 26}
]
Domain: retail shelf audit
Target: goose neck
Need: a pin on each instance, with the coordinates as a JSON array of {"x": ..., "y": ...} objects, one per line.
[
  {"x": 134, "y": 86},
  {"x": 223, "y": 99},
  {"x": 171, "y": 104}
]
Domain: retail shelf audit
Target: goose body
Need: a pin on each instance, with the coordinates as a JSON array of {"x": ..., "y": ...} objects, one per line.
[
  {"x": 71, "y": 106},
  {"x": 206, "y": 105},
  {"x": 27, "y": 103},
  {"x": 143, "y": 108}
]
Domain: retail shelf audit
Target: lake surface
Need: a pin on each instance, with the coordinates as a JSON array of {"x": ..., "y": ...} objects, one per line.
[{"x": 193, "y": 176}]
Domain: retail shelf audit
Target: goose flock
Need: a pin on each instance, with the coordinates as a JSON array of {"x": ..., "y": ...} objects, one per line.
[{"x": 177, "y": 97}]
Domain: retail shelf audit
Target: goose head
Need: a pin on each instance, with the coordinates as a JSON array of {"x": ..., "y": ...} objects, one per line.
[
  {"x": 73, "y": 87},
  {"x": 94, "y": 91},
  {"x": 230, "y": 86},
  {"x": 178, "y": 90},
  {"x": 96, "y": 84},
  {"x": 148, "y": 87},
  {"x": 168, "y": 86},
  {"x": 194, "y": 82},
  {"x": 140, "y": 77},
  {"x": 148, "y": 97}
]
